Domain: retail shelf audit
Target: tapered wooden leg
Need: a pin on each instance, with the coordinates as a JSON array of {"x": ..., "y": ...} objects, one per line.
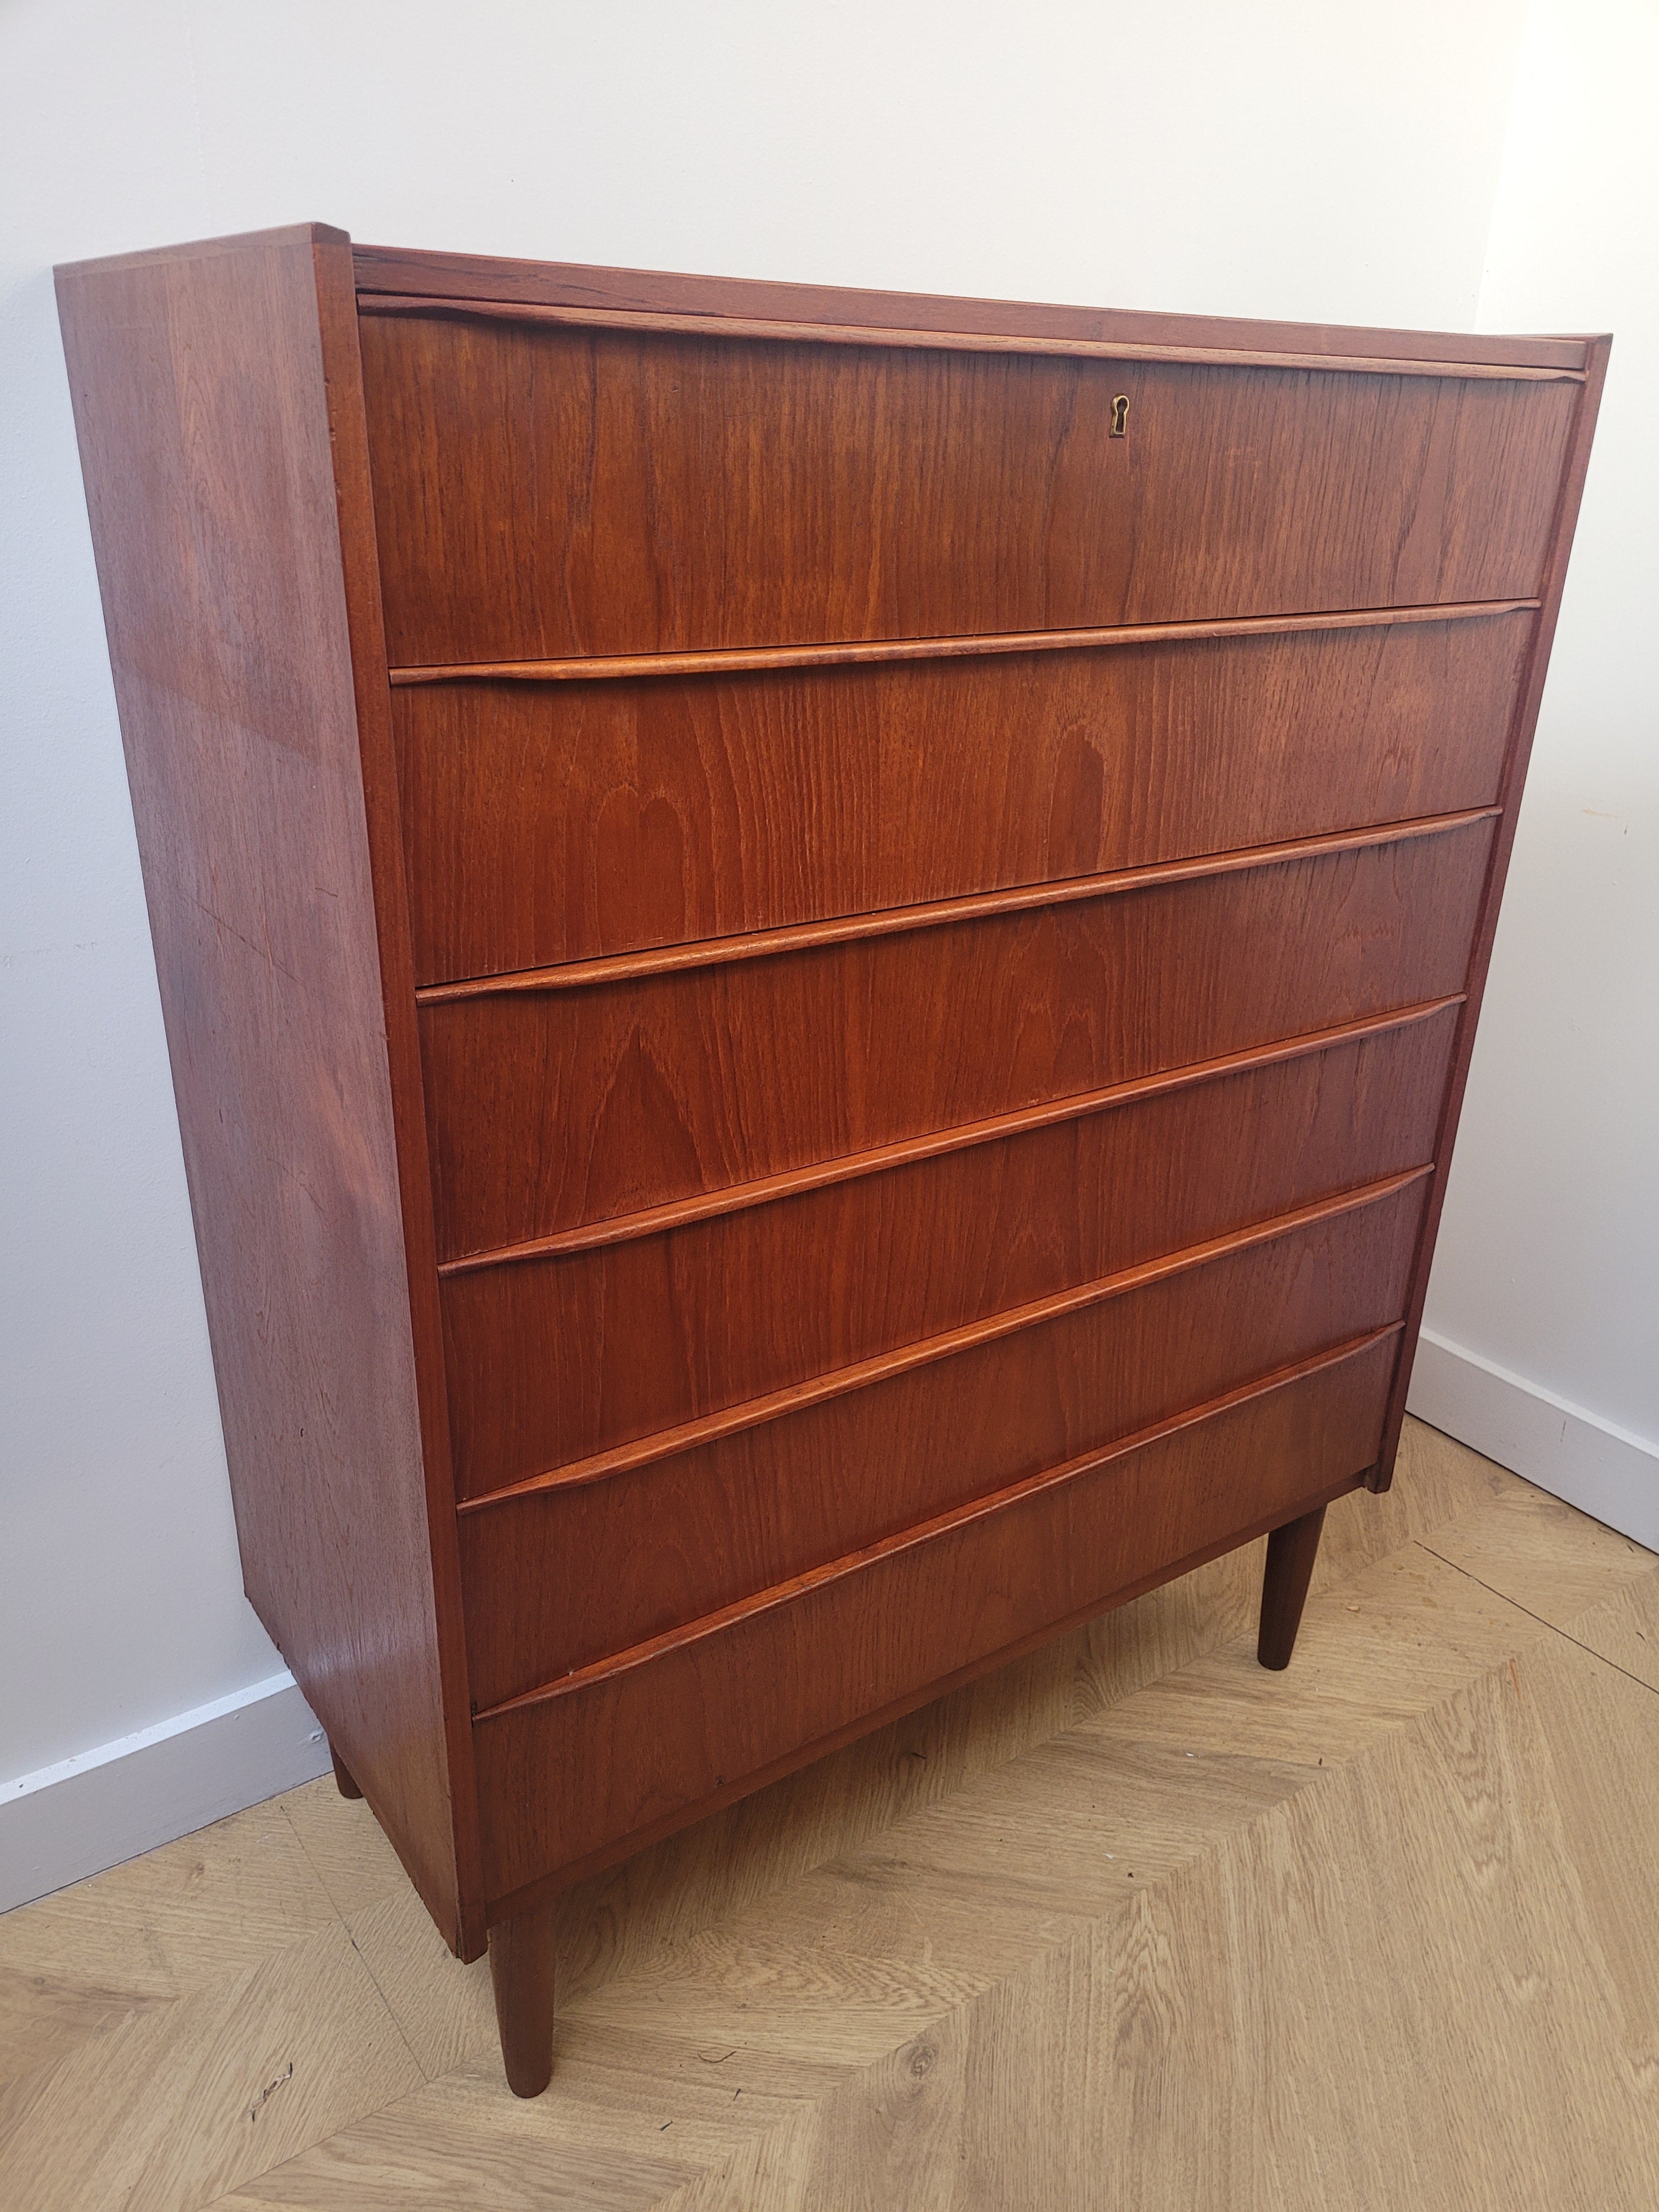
[
  {"x": 1291, "y": 1552},
  {"x": 344, "y": 1775},
  {"x": 521, "y": 1969}
]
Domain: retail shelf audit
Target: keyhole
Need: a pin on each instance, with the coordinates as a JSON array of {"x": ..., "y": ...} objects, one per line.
[{"x": 1120, "y": 414}]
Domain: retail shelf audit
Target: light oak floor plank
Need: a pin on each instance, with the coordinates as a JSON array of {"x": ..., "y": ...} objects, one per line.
[
  {"x": 1539, "y": 1554},
  {"x": 190, "y": 1914},
  {"x": 1624, "y": 1629},
  {"x": 1132, "y": 1922},
  {"x": 343, "y": 1846},
  {"x": 641, "y": 2113},
  {"x": 166, "y": 2107}
]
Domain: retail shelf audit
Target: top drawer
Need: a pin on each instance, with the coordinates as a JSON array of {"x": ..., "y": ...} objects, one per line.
[{"x": 544, "y": 492}]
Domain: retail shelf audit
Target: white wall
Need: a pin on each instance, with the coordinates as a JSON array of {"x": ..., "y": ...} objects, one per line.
[
  {"x": 1544, "y": 1298},
  {"x": 1282, "y": 159}
]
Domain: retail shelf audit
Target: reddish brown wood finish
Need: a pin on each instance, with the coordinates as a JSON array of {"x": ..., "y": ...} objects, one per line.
[
  {"x": 556, "y": 1578},
  {"x": 1291, "y": 1550},
  {"x": 731, "y": 328},
  {"x": 1520, "y": 751},
  {"x": 203, "y": 410},
  {"x": 817, "y": 1126},
  {"x": 551, "y": 1360},
  {"x": 860, "y": 653},
  {"x": 547, "y": 1109},
  {"x": 542, "y": 491},
  {"x": 384, "y": 271},
  {"x": 557, "y": 822},
  {"x": 522, "y": 1975},
  {"x": 598, "y": 1759},
  {"x": 360, "y": 567}
]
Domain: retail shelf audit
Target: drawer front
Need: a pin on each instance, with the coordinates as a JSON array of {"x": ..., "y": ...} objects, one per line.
[
  {"x": 556, "y": 1578},
  {"x": 542, "y": 492},
  {"x": 549, "y": 1108},
  {"x": 552, "y": 1360},
  {"x": 598, "y": 1767},
  {"x": 554, "y": 821}
]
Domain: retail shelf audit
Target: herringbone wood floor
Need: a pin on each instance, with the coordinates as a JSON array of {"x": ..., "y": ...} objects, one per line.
[{"x": 1132, "y": 1924}]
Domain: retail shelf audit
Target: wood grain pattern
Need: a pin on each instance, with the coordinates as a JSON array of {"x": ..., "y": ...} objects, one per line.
[
  {"x": 883, "y": 1084},
  {"x": 822, "y": 1388},
  {"x": 558, "y": 1578},
  {"x": 384, "y": 271},
  {"x": 962, "y": 1136},
  {"x": 1009, "y": 1323},
  {"x": 552, "y": 1360},
  {"x": 203, "y": 414},
  {"x": 359, "y": 572},
  {"x": 666, "y": 960},
  {"x": 561, "y": 822},
  {"x": 537, "y": 490},
  {"x": 549, "y": 1112},
  {"x": 588, "y": 1774}
]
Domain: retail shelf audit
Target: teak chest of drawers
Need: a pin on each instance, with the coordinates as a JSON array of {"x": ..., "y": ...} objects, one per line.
[{"x": 819, "y": 950}]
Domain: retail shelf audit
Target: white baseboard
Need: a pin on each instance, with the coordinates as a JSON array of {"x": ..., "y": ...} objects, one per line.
[
  {"x": 89, "y": 1813},
  {"x": 1594, "y": 1464}
]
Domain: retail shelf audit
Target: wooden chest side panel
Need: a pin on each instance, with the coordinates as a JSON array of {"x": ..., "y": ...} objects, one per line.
[
  {"x": 543, "y": 491},
  {"x": 549, "y": 1108},
  {"x": 584, "y": 1775},
  {"x": 554, "y": 821},
  {"x": 554, "y": 1359},
  {"x": 558, "y": 1578},
  {"x": 203, "y": 419}
]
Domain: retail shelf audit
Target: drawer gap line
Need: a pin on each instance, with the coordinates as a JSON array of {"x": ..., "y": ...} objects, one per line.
[
  {"x": 928, "y": 1350},
  {"x": 977, "y": 1508},
  {"x": 883, "y": 1159},
  {"x": 940, "y": 914},
  {"x": 542, "y": 1888}
]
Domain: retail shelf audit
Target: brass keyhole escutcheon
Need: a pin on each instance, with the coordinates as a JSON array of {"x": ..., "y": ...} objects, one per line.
[{"x": 1120, "y": 416}]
